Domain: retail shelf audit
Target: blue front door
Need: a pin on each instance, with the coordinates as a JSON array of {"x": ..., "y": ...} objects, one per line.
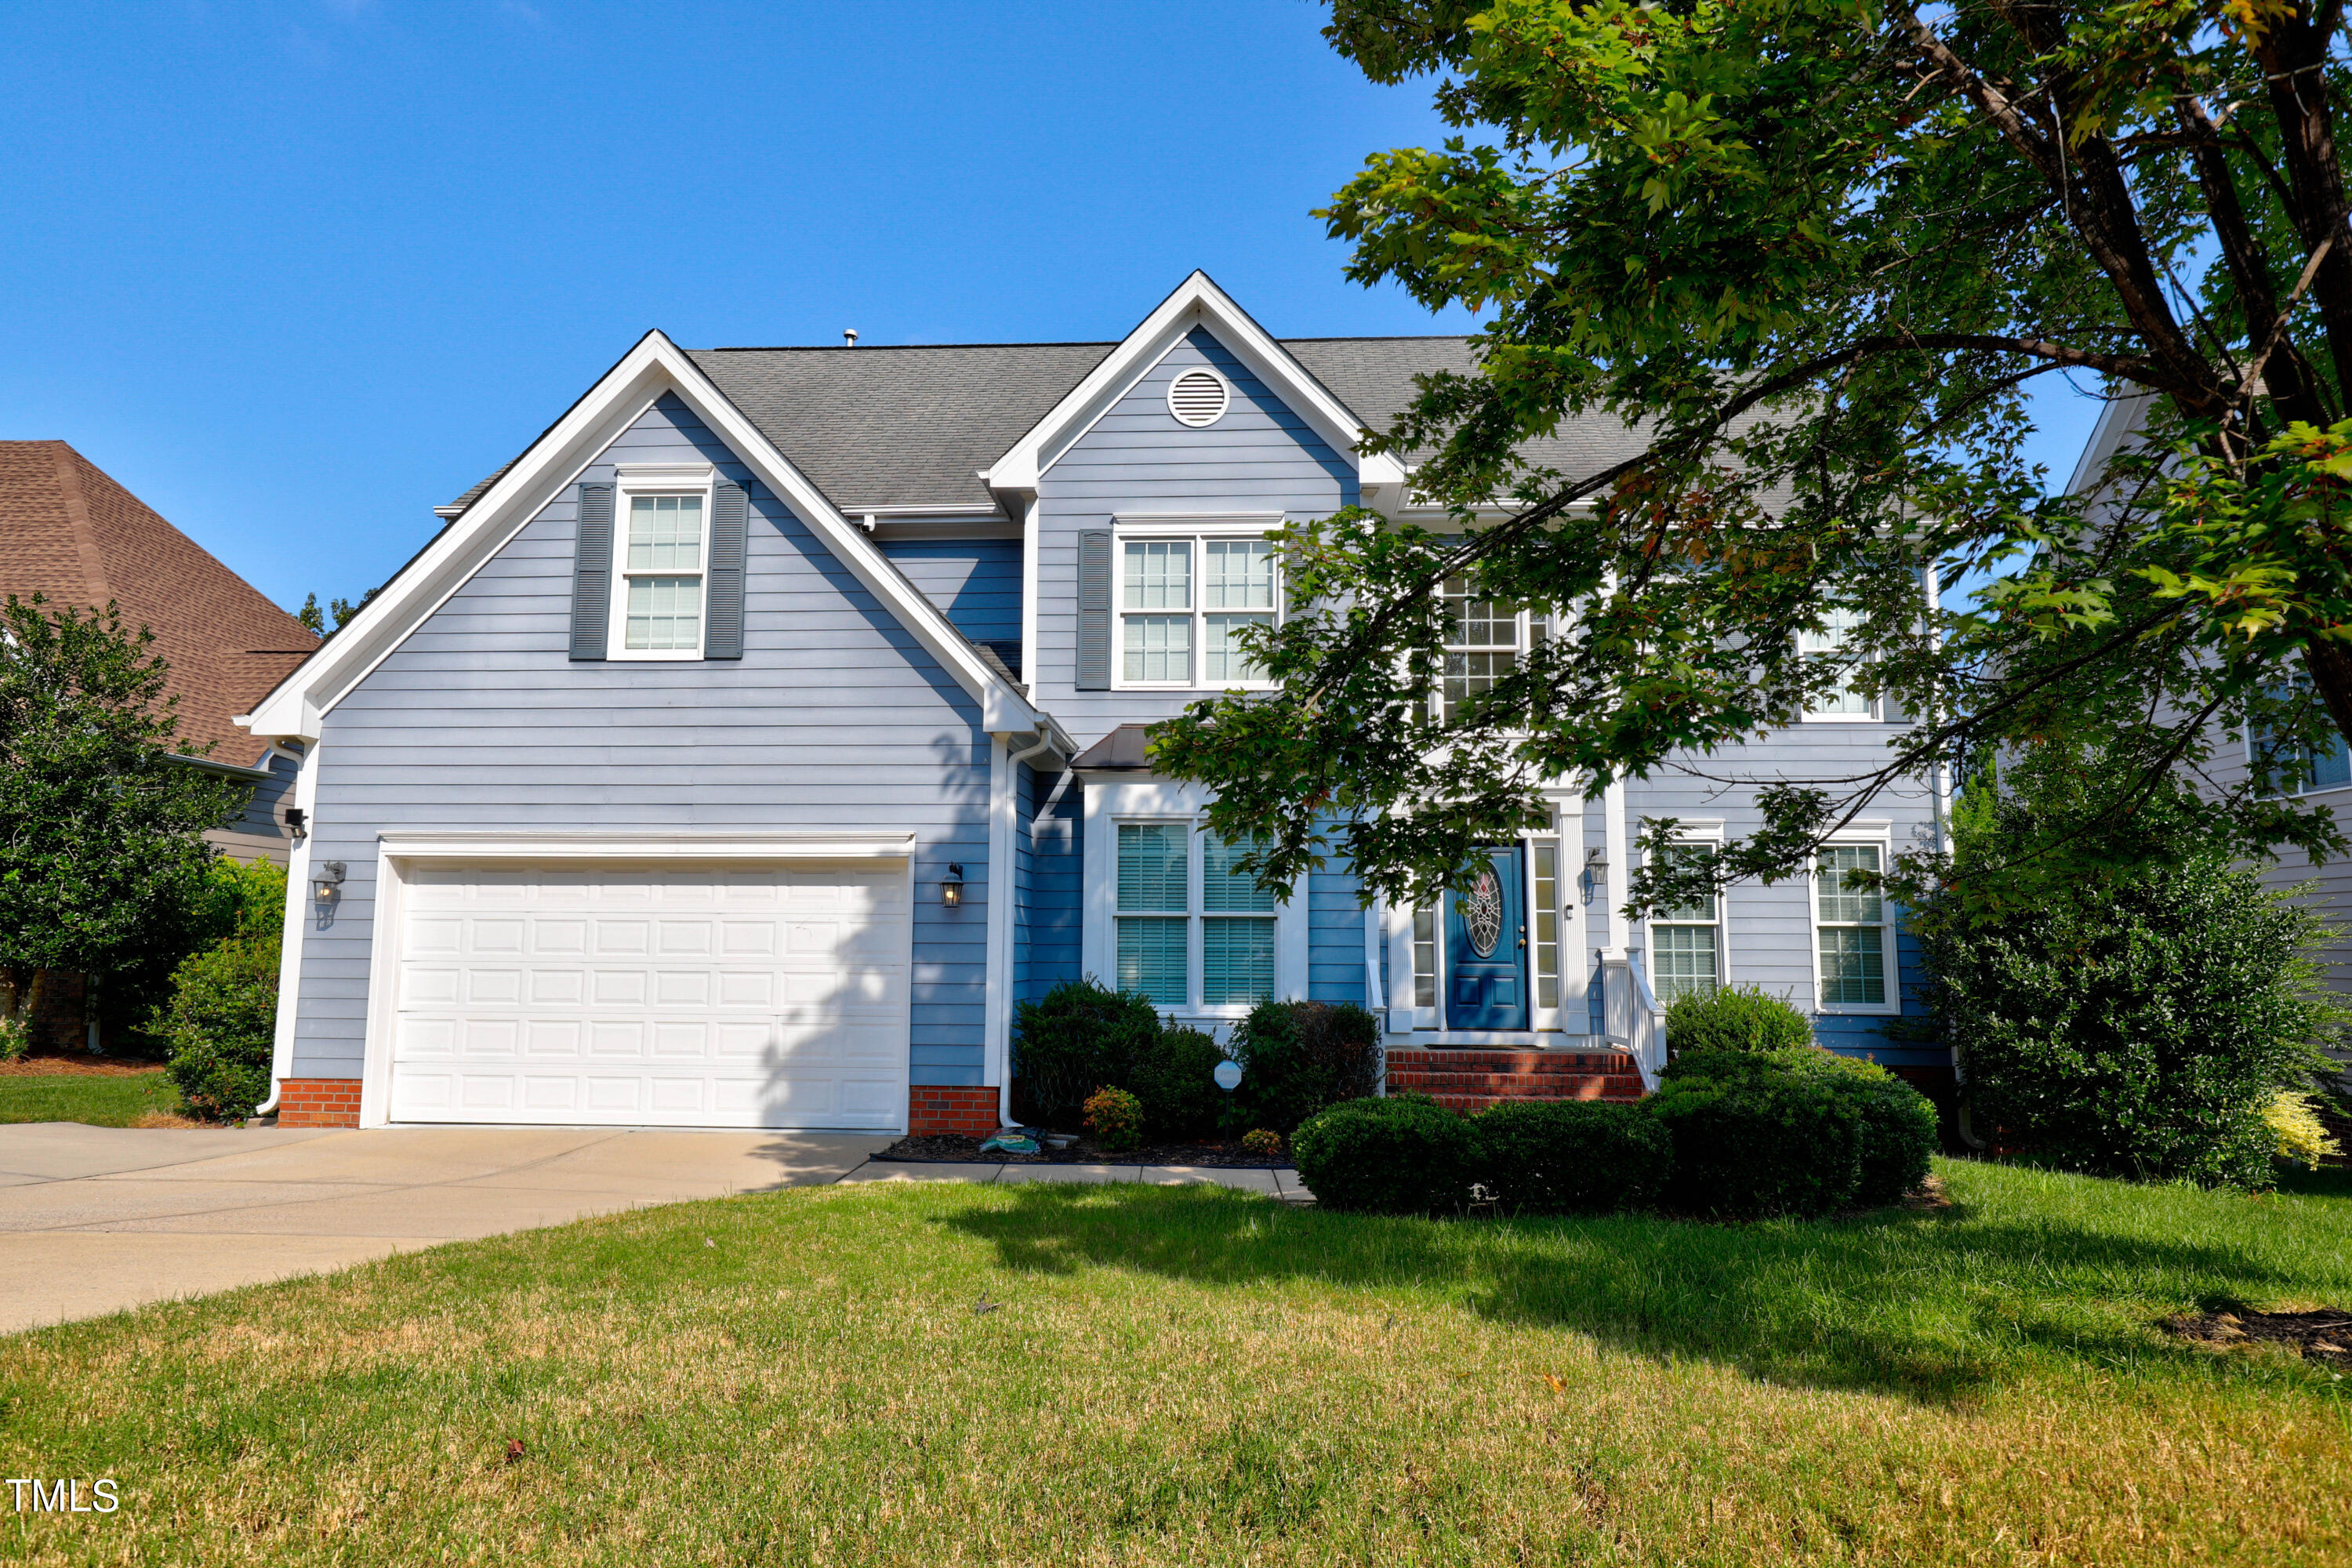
[{"x": 1486, "y": 948}]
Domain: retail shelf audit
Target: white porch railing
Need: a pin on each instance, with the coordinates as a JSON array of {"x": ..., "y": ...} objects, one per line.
[{"x": 1631, "y": 1018}]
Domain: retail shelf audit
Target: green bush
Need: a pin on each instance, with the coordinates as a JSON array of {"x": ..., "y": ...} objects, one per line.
[
  {"x": 1298, "y": 1057},
  {"x": 1568, "y": 1156},
  {"x": 1736, "y": 1018},
  {"x": 1755, "y": 1136},
  {"x": 1406, "y": 1155},
  {"x": 15, "y": 1039},
  {"x": 219, "y": 1025},
  {"x": 2139, "y": 1027},
  {"x": 1080, "y": 1035},
  {"x": 1175, "y": 1078},
  {"x": 1897, "y": 1124}
]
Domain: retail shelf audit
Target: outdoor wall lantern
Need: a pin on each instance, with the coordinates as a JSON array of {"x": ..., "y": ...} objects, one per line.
[
  {"x": 1596, "y": 873},
  {"x": 951, "y": 890},
  {"x": 329, "y": 881}
]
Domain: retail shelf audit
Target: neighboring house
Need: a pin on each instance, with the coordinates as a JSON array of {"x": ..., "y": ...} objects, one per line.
[
  {"x": 71, "y": 534},
  {"x": 743, "y": 751},
  {"x": 2328, "y": 772}
]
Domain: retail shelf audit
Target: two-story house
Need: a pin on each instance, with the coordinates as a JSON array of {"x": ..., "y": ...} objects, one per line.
[{"x": 742, "y": 752}]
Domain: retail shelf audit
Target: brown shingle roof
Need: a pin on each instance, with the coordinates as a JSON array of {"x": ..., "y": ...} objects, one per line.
[{"x": 70, "y": 533}]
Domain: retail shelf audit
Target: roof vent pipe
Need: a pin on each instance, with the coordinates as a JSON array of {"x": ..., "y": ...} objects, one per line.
[{"x": 850, "y": 337}]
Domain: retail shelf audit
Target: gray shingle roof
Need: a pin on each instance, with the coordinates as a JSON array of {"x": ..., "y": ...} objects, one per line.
[{"x": 913, "y": 426}]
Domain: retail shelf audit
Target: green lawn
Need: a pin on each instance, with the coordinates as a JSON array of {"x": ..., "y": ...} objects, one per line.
[
  {"x": 1193, "y": 1376},
  {"x": 102, "y": 1100}
]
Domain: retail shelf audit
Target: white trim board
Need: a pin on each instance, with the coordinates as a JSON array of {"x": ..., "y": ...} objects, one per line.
[
  {"x": 1196, "y": 302},
  {"x": 654, "y": 366}
]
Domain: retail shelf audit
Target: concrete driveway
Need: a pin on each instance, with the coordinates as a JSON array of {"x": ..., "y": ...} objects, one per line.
[{"x": 94, "y": 1219}]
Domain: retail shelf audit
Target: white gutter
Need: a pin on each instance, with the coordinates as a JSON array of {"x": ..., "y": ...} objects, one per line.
[
  {"x": 289, "y": 948},
  {"x": 1000, "y": 876}
]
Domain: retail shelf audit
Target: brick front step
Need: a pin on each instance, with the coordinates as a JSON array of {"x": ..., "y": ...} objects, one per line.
[
  {"x": 1471, "y": 1104},
  {"x": 1471, "y": 1079}
]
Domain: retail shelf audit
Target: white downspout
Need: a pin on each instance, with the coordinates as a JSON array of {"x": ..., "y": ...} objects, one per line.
[
  {"x": 1004, "y": 824},
  {"x": 290, "y": 946}
]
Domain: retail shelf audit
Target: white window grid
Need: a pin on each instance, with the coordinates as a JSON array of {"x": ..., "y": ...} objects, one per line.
[
  {"x": 1212, "y": 909},
  {"x": 1844, "y": 705},
  {"x": 1180, "y": 596},
  {"x": 1847, "y": 923},
  {"x": 661, "y": 572},
  {"x": 1686, "y": 944}
]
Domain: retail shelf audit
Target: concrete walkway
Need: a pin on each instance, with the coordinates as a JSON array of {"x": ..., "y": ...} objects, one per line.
[{"x": 95, "y": 1219}]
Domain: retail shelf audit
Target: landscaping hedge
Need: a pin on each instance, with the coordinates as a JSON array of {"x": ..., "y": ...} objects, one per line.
[
  {"x": 1755, "y": 1136},
  {"x": 1406, "y": 1155},
  {"x": 1298, "y": 1058},
  {"x": 1735, "y": 1018},
  {"x": 1897, "y": 1124},
  {"x": 1573, "y": 1156}
]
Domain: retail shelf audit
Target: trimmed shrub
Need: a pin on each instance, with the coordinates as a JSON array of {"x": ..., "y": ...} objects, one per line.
[
  {"x": 1263, "y": 1143},
  {"x": 2137, "y": 1028},
  {"x": 1175, "y": 1078},
  {"x": 1298, "y": 1057},
  {"x": 1080, "y": 1035},
  {"x": 1755, "y": 1136},
  {"x": 1116, "y": 1118},
  {"x": 1568, "y": 1156},
  {"x": 1406, "y": 1155},
  {"x": 220, "y": 1024},
  {"x": 1736, "y": 1018},
  {"x": 1897, "y": 1124}
]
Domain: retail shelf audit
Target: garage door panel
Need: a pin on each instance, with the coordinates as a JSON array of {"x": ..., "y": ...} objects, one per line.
[{"x": 690, "y": 996}]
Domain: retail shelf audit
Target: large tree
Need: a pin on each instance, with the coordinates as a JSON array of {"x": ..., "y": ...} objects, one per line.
[
  {"x": 101, "y": 847},
  {"x": 1816, "y": 255}
]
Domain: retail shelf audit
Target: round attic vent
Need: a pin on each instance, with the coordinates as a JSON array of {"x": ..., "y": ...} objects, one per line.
[{"x": 1199, "y": 398}]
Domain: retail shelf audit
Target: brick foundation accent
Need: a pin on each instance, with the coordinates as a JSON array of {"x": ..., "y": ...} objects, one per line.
[
  {"x": 934, "y": 1108},
  {"x": 319, "y": 1102},
  {"x": 1471, "y": 1079}
]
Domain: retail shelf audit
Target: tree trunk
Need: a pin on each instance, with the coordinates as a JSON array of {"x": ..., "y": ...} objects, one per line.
[{"x": 2330, "y": 664}]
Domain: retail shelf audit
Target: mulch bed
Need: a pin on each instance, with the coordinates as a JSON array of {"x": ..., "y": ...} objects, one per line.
[
  {"x": 2322, "y": 1336},
  {"x": 956, "y": 1148},
  {"x": 77, "y": 1067}
]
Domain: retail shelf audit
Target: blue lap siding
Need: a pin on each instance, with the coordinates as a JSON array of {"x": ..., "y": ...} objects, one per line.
[{"x": 834, "y": 717}]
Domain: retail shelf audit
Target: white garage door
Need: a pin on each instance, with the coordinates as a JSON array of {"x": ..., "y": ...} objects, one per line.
[{"x": 664, "y": 995}]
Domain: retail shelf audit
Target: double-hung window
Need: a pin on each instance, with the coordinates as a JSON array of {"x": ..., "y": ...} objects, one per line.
[
  {"x": 1182, "y": 604},
  {"x": 1855, "y": 941},
  {"x": 658, "y": 591},
  {"x": 1193, "y": 931},
  {"x": 1838, "y": 626},
  {"x": 1685, "y": 948},
  {"x": 1482, "y": 643},
  {"x": 2292, "y": 767}
]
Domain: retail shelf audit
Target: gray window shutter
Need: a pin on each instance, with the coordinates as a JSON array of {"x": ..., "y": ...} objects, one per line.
[
  {"x": 723, "y": 632},
  {"x": 591, "y": 574},
  {"x": 1094, "y": 609}
]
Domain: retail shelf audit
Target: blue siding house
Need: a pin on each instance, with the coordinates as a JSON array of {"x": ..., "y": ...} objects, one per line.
[{"x": 741, "y": 753}]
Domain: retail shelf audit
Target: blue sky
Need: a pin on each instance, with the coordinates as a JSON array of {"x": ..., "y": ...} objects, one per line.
[{"x": 298, "y": 271}]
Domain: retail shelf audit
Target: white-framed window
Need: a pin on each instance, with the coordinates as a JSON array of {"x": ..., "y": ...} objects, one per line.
[
  {"x": 661, "y": 556},
  {"x": 1483, "y": 639},
  {"x": 2298, "y": 769},
  {"x": 1192, "y": 931},
  {"x": 1686, "y": 947},
  {"x": 1854, "y": 937},
  {"x": 1844, "y": 703},
  {"x": 1183, "y": 599}
]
